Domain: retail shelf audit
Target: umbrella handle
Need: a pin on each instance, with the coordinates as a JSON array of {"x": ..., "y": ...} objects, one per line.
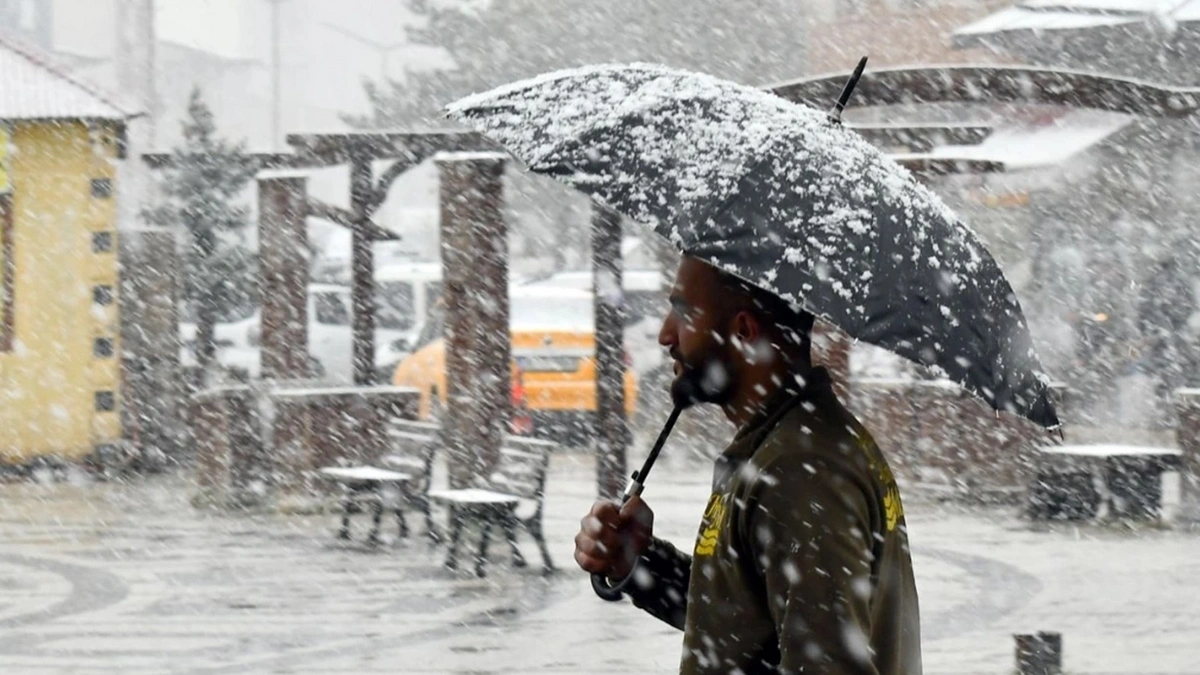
[{"x": 600, "y": 583}]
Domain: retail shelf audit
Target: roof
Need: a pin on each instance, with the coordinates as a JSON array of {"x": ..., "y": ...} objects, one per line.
[
  {"x": 1058, "y": 15},
  {"x": 32, "y": 87},
  {"x": 1047, "y": 142}
]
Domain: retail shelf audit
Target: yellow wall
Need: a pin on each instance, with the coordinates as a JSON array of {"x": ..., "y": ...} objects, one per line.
[{"x": 49, "y": 379}]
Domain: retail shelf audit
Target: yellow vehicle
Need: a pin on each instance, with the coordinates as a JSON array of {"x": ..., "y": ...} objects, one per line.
[{"x": 553, "y": 347}]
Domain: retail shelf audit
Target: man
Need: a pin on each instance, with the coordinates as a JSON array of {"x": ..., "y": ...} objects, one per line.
[{"x": 801, "y": 564}]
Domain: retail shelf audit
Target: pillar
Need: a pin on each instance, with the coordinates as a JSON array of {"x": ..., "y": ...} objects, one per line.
[
  {"x": 283, "y": 277},
  {"x": 474, "y": 241}
]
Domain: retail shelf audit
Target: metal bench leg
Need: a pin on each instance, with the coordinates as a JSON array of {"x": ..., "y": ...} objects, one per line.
[
  {"x": 510, "y": 533},
  {"x": 376, "y": 518},
  {"x": 347, "y": 503},
  {"x": 431, "y": 529},
  {"x": 483, "y": 544},
  {"x": 403, "y": 522},
  {"x": 456, "y": 525},
  {"x": 535, "y": 529}
]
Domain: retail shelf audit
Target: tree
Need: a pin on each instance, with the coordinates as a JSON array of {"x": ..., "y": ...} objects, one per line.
[
  {"x": 751, "y": 41},
  {"x": 492, "y": 43},
  {"x": 200, "y": 191}
]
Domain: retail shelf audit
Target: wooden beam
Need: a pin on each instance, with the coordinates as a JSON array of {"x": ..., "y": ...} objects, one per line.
[
  {"x": 266, "y": 160},
  {"x": 990, "y": 84},
  {"x": 416, "y": 147},
  {"x": 384, "y": 184},
  {"x": 345, "y": 218}
]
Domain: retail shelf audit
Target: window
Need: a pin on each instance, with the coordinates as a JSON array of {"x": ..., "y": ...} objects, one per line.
[
  {"x": 102, "y": 295},
  {"x": 106, "y": 401},
  {"x": 8, "y": 281},
  {"x": 102, "y": 242},
  {"x": 102, "y": 188},
  {"x": 331, "y": 309},
  {"x": 433, "y": 296},
  {"x": 8, "y": 272},
  {"x": 102, "y": 348},
  {"x": 394, "y": 305}
]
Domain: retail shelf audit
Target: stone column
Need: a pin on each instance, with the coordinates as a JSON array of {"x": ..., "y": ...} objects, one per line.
[
  {"x": 1187, "y": 433},
  {"x": 283, "y": 278},
  {"x": 612, "y": 434},
  {"x": 149, "y": 344},
  {"x": 475, "y": 281},
  {"x": 232, "y": 468}
]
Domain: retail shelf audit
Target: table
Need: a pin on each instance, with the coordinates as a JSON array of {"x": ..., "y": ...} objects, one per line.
[
  {"x": 366, "y": 483},
  {"x": 487, "y": 508},
  {"x": 1066, "y": 477}
]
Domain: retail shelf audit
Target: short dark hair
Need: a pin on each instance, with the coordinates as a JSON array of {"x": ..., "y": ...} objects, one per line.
[{"x": 794, "y": 325}]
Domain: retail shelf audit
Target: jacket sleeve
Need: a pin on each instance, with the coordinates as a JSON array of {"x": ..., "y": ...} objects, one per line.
[
  {"x": 659, "y": 583},
  {"x": 809, "y": 527}
]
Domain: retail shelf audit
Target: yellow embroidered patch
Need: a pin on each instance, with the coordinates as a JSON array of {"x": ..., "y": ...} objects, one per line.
[
  {"x": 710, "y": 526},
  {"x": 893, "y": 508}
]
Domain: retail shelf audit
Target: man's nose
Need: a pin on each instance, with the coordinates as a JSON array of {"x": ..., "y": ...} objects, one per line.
[{"x": 666, "y": 334}]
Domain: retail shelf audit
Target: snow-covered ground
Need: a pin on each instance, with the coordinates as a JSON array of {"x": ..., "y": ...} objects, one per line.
[{"x": 130, "y": 579}]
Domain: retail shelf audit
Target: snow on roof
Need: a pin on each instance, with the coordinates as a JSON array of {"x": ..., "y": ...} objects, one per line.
[
  {"x": 1019, "y": 18},
  {"x": 1049, "y": 15},
  {"x": 1114, "y": 6},
  {"x": 1037, "y": 145},
  {"x": 31, "y": 87}
]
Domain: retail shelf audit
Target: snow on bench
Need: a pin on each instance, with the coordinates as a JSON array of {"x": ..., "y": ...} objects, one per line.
[{"x": 1066, "y": 477}]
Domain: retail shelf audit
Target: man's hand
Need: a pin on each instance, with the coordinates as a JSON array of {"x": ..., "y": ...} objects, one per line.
[{"x": 611, "y": 537}]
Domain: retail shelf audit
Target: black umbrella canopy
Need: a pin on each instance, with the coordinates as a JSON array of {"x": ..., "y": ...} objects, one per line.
[{"x": 776, "y": 194}]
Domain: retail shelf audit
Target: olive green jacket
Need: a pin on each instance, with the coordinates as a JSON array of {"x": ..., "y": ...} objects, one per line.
[{"x": 801, "y": 564}]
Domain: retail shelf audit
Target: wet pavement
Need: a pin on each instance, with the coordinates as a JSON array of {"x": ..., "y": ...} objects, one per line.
[{"x": 129, "y": 578}]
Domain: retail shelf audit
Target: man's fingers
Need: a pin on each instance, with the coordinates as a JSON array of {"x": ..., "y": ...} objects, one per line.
[
  {"x": 592, "y": 547},
  {"x": 606, "y": 512},
  {"x": 636, "y": 511},
  {"x": 592, "y": 564},
  {"x": 592, "y": 526}
]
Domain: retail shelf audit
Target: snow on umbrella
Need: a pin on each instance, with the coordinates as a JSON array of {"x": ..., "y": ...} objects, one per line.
[{"x": 775, "y": 193}]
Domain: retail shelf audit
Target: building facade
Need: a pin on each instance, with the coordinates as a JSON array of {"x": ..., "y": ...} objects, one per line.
[{"x": 60, "y": 145}]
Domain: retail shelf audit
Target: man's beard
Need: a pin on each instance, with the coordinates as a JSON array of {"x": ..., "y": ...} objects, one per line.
[{"x": 710, "y": 381}]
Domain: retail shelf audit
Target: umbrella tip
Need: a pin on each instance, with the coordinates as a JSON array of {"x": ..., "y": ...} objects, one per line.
[{"x": 835, "y": 115}]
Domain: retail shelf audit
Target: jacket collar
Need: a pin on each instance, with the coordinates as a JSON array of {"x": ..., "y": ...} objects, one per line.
[{"x": 816, "y": 384}]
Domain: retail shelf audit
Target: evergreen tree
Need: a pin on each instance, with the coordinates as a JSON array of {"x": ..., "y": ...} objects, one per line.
[
  {"x": 750, "y": 41},
  {"x": 200, "y": 190}
]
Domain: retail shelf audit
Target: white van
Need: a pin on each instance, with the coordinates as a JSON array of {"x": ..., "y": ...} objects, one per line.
[{"x": 406, "y": 294}]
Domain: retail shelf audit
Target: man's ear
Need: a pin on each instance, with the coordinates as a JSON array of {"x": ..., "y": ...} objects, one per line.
[{"x": 746, "y": 328}]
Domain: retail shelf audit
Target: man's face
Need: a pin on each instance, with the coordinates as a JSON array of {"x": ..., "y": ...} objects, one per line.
[{"x": 697, "y": 338}]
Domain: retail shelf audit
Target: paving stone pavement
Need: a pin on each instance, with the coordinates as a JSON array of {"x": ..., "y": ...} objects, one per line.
[{"x": 129, "y": 578}]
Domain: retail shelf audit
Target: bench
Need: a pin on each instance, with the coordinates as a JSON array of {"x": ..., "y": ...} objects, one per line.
[
  {"x": 513, "y": 497},
  {"x": 413, "y": 451},
  {"x": 365, "y": 484},
  {"x": 1068, "y": 480}
]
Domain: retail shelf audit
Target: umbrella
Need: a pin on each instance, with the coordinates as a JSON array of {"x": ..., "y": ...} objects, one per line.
[{"x": 784, "y": 197}]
